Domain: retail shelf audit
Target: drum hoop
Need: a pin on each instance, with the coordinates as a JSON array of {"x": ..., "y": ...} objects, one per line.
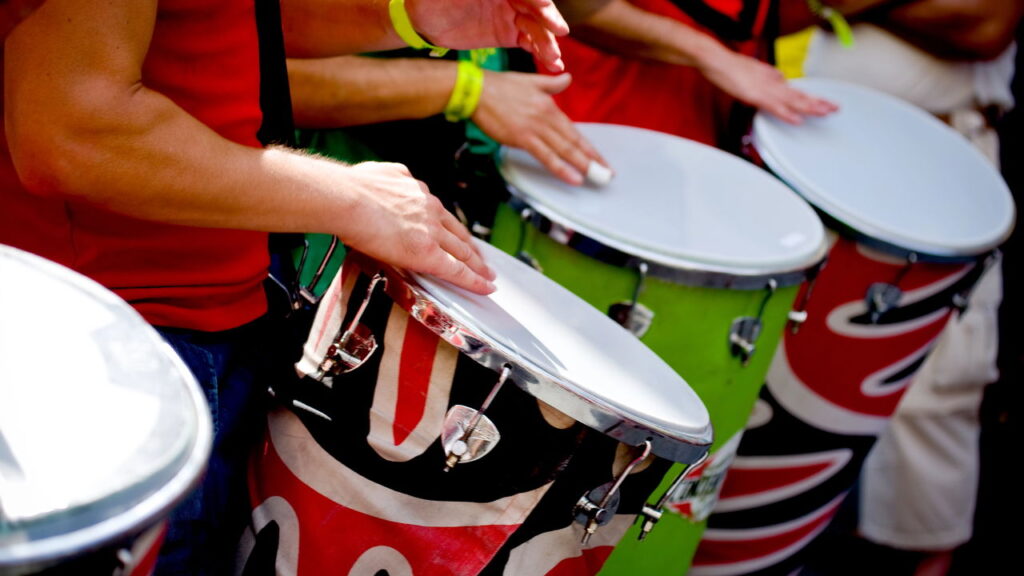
[
  {"x": 579, "y": 404},
  {"x": 849, "y": 231},
  {"x": 74, "y": 539},
  {"x": 679, "y": 272}
]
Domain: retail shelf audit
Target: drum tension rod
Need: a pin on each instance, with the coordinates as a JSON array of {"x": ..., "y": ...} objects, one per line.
[
  {"x": 461, "y": 446},
  {"x": 599, "y": 514},
  {"x": 962, "y": 298},
  {"x": 306, "y": 292},
  {"x": 353, "y": 347},
  {"x": 745, "y": 330},
  {"x": 652, "y": 513},
  {"x": 525, "y": 215},
  {"x": 882, "y": 297},
  {"x": 798, "y": 315}
]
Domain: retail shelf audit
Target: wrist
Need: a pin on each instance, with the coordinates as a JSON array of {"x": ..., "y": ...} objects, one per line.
[
  {"x": 402, "y": 24},
  {"x": 835, "y": 20},
  {"x": 465, "y": 96}
]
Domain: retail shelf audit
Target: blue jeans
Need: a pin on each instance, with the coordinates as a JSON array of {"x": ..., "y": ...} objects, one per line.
[{"x": 232, "y": 368}]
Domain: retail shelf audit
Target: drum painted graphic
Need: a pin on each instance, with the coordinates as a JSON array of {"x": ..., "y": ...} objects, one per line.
[
  {"x": 103, "y": 430},
  {"x": 438, "y": 432},
  {"x": 915, "y": 210},
  {"x": 696, "y": 251}
]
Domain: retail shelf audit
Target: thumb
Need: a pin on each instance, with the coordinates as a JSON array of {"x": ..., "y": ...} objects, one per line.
[{"x": 555, "y": 84}]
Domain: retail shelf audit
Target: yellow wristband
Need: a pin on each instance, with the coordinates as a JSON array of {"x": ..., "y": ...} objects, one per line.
[
  {"x": 469, "y": 84},
  {"x": 403, "y": 26}
]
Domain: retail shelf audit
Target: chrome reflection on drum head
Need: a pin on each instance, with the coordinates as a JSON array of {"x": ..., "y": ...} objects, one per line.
[{"x": 102, "y": 428}]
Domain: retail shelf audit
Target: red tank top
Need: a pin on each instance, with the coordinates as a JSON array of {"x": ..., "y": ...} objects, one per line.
[
  {"x": 204, "y": 57},
  {"x": 664, "y": 97}
]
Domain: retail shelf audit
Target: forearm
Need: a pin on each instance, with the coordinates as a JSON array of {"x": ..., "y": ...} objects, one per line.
[
  {"x": 353, "y": 90},
  {"x": 154, "y": 162},
  {"x": 796, "y": 15},
  {"x": 622, "y": 28},
  {"x": 315, "y": 28},
  {"x": 955, "y": 29}
]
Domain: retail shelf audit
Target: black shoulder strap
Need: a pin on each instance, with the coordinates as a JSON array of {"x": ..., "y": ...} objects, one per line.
[
  {"x": 737, "y": 27},
  {"x": 275, "y": 99}
]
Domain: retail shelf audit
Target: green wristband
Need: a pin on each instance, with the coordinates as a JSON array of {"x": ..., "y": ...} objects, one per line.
[{"x": 403, "y": 26}]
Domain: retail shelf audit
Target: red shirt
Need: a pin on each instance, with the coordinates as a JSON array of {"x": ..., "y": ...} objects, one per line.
[
  {"x": 204, "y": 57},
  {"x": 647, "y": 94}
]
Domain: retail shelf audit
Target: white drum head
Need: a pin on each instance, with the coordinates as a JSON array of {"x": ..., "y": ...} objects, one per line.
[
  {"x": 598, "y": 366},
  {"x": 890, "y": 171},
  {"x": 679, "y": 203},
  {"x": 102, "y": 428}
]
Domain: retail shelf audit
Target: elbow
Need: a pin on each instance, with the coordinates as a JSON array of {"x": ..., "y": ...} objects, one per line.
[
  {"x": 43, "y": 166},
  {"x": 983, "y": 42}
]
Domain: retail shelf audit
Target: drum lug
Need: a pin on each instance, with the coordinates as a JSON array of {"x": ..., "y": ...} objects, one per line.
[
  {"x": 466, "y": 441},
  {"x": 631, "y": 314},
  {"x": 881, "y": 298},
  {"x": 797, "y": 318},
  {"x": 468, "y": 434},
  {"x": 651, "y": 513},
  {"x": 525, "y": 257},
  {"x": 745, "y": 330},
  {"x": 355, "y": 345},
  {"x": 743, "y": 337},
  {"x": 125, "y": 562},
  {"x": 597, "y": 507}
]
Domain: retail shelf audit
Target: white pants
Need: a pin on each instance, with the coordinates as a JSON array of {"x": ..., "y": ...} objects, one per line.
[{"x": 919, "y": 482}]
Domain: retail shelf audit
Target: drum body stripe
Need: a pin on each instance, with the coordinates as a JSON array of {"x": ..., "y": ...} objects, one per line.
[{"x": 830, "y": 391}]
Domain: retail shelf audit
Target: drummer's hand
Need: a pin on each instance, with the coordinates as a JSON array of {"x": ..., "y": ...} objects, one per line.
[
  {"x": 516, "y": 109},
  {"x": 532, "y": 25},
  {"x": 399, "y": 222},
  {"x": 763, "y": 86}
]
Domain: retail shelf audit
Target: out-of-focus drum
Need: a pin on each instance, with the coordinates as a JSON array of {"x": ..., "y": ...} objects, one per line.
[
  {"x": 700, "y": 254},
  {"x": 915, "y": 210},
  {"x": 103, "y": 430},
  {"x": 434, "y": 431}
]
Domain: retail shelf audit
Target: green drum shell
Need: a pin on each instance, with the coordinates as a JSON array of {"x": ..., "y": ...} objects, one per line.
[
  {"x": 691, "y": 324},
  {"x": 690, "y": 331}
]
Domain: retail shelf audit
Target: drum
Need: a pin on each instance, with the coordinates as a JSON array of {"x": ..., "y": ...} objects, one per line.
[
  {"x": 914, "y": 211},
  {"x": 700, "y": 254},
  {"x": 434, "y": 431},
  {"x": 103, "y": 430}
]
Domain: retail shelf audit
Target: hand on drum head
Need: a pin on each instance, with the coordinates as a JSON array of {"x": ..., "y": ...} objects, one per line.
[
  {"x": 399, "y": 222},
  {"x": 517, "y": 110},
  {"x": 762, "y": 86},
  {"x": 531, "y": 25}
]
